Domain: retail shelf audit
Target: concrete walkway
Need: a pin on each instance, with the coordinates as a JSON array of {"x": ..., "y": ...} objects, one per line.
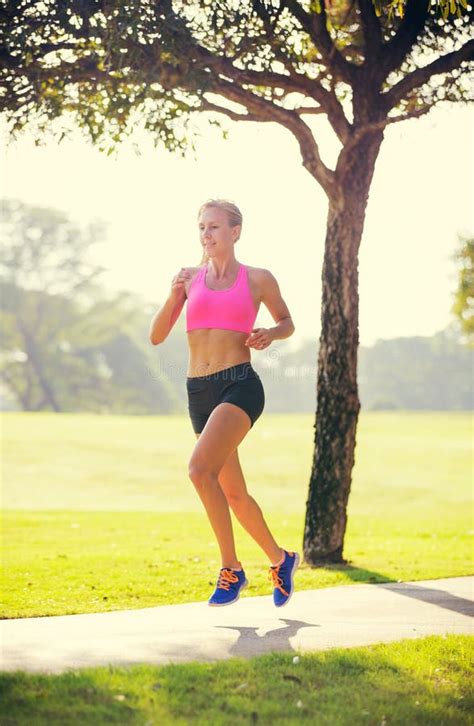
[{"x": 313, "y": 620}]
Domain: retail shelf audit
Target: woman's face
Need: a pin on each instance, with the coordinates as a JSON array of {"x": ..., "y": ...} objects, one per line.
[{"x": 215, "y": 234}]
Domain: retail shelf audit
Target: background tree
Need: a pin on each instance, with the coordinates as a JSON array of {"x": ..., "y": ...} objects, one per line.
[
  {"x": 417, "y": 373},
  {"x": 463, "y": 306},
  {"x": 111, "y": 64},
  {"x": 64, "y": 345},
  {"x": 45, "y": 277},
  {"x": 411, "y": 373}
]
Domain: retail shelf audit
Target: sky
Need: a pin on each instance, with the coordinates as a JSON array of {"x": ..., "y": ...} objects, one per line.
[{"x": 420, "y": 201}]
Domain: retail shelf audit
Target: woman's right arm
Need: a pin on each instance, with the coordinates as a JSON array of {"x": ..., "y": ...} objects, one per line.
[{"x": 167, "y": 315}]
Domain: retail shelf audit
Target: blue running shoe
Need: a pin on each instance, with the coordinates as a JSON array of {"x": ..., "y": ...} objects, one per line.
[
  {"x": 282, "y": 578},
  {"x": 230, "y": 584}
]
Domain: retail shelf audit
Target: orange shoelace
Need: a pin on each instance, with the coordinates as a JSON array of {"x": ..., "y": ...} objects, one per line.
[
  {"x": 276, "y": 579},
  {"x": 226, "y": 577}
]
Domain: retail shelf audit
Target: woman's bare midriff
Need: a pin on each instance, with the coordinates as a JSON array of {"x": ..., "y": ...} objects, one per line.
[{"x": 213, "y": 349}]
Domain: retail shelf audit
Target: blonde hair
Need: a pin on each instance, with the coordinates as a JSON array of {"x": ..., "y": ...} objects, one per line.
[{"x": 234, "y": 215}]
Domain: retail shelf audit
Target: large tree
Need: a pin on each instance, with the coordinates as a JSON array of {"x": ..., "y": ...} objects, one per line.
[{"x": 362, "y": 64}]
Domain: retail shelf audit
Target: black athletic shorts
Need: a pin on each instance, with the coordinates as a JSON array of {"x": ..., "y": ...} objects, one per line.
[{"x": 240, "y": 385}]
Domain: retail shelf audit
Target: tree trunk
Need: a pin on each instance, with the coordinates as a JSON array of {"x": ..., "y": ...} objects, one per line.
[
  {"x": 34, "y": 361},
  {"x": 337, "y": 394}
]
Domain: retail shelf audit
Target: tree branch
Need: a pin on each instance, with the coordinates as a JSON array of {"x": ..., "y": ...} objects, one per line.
[
  {"x": 308, "y": 109},
  {"x": 208, "y": 106},
  {"x": 371, "y": 29},
  {"x": 378, "y": 125},
  {"x": 296, "y": 83},
  {"x": 315, "y": 25},
  {"x": 293, "y": 82},
  {"x": 398, "y": 48},
  {"x": 418, "y": 77},
  {"x": 264, "y": 110}
]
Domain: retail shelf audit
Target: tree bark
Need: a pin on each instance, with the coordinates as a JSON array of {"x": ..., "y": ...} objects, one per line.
[{"x": 338, "y": 402}]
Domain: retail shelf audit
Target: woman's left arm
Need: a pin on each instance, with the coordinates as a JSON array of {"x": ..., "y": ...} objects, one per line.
[{"x": 261, "y": 338}]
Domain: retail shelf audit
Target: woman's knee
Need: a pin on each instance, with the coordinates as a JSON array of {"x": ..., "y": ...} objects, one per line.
[{"x": 199, "y": 472}]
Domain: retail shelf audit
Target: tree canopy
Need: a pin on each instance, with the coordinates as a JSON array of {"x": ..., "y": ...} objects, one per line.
[{"x": 112, "y": 65}]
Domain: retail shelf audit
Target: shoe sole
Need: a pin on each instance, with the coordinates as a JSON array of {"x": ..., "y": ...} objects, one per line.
[
  {"x": 295, "y": 567},
  {"x": 231, "y": 602}
]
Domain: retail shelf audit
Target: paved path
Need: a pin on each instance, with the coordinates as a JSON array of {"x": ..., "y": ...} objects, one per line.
[{"x": 313, "y": 620}]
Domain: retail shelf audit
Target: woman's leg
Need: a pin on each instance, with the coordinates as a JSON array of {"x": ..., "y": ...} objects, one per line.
[
  {"x": 245, "y": 507},
  {"x": 225, "y": 429}
]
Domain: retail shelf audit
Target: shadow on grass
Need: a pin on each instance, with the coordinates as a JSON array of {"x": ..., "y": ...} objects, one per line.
[
  {"x": 414, "y": 683},
  {"x": 431, "y": 595},
  {"x": 357, "y": 574},
  {"x": 77, "y": 697}
]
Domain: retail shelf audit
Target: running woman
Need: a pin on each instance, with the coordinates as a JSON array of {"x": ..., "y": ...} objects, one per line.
[{"x": 225, "y": 394}]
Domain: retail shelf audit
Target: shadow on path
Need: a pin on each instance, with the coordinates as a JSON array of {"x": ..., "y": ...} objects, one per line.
[
  {"x": 275, "y": 639},
  {"x": 440, "y": 598},
  {"x": 431, "y": 595}
]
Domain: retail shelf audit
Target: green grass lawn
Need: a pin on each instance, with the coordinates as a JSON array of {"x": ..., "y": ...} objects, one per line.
[
  {"x": 99, "y": 513},
  {"x": 426, "y": 681}
]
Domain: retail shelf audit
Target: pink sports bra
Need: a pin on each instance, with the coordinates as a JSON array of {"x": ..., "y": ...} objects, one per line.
[{"x": 229, "y": 309}]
